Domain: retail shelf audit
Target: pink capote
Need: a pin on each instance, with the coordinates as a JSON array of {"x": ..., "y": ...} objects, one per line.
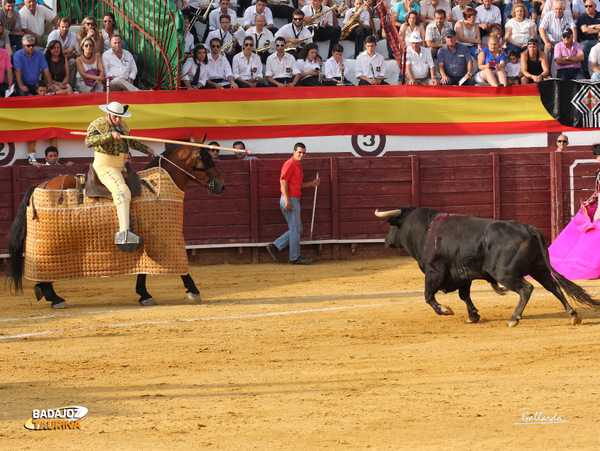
[{"x": 575, "y": 253}]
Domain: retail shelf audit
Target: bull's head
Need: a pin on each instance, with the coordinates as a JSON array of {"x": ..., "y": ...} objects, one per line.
[{"x": 394, "y": 220}]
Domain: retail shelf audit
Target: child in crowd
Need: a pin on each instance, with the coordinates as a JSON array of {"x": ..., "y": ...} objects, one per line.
[{"x": 513, "y": 69}]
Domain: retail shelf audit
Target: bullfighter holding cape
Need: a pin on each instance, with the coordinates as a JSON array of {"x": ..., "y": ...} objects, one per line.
[{"x": 104, "y": 135}]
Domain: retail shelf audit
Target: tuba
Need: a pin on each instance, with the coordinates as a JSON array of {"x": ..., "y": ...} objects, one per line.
[
  {"x": 289, "y": 47},
  {"x": 352, "y": 23}
]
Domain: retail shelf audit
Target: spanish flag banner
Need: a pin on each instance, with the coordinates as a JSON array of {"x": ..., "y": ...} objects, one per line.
[{"x": 290, "y": 112}]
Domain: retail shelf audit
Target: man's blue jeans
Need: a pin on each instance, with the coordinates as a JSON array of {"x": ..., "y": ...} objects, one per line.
[{"x": 291, "y": 238}]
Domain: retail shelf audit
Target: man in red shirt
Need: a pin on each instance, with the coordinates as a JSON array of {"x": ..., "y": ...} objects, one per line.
[{"x": 291, "y": 190}]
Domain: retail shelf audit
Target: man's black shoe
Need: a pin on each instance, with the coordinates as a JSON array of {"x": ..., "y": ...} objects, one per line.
[
  {"x": 302, "y": 261},
  {"x": 273, "y": 251}
]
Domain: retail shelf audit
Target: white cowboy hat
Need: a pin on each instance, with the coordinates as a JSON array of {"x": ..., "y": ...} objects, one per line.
[{"x": 116, "y": 108}]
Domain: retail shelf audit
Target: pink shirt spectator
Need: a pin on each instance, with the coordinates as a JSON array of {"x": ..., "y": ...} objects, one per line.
[{"x": 561, "y": 51}]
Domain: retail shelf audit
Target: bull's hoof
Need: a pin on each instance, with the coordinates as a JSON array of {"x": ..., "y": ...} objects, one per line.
[
  {"x": 193, "y": 296},
  {"x": 473, "y": 319},
  {"x": 446, "y": 310},
  {"x": 148, "y": 302},
  {"x": 513, "y": 322},
  {"x": 575, "y": 319},
  {"x": 58, "y": 305}
]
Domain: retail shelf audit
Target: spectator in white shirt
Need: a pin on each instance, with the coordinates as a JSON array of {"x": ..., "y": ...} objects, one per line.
[
  {"x": 33, "y": 21},
  {"x": 281, "y": 67},
  {"x": 119, "y": 66},
  {"x": 195, "y": 69},
  {"x": 247, "y": 67},
  {"x": 420, "y": 68},
  {"x": 220, "y": 75},
  {"x": 264, "y": 41},
  {"x": 370, "y": 65}
]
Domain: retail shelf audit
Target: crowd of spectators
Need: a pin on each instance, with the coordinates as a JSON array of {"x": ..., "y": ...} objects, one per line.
[{"x": 500, "y": 43}]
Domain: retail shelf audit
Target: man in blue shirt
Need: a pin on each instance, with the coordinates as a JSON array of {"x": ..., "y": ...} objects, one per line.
[
  {"x": 29, "y": 65},
  {"x": 454, "y": 62}
]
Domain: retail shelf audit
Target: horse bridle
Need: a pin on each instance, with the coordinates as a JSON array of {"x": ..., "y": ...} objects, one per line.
[{"x": 209, "y": 185}]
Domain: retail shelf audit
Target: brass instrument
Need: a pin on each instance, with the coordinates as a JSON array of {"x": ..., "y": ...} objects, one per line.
[
  {"x": 227, "y": 45},
  {"x": 200, "y": 16},
  {"x": 264, "y": 48},
  {"x": 352, "y": 22},
  {"x": 289, "y": 47},
  {"x": 317, "y": 15}
]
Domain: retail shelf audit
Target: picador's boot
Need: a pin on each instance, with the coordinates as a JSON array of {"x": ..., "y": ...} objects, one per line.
[{"x": 125, "y": 239}]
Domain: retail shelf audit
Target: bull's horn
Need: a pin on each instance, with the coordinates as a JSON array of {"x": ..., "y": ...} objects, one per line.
[{"x": 388, "y": 214}]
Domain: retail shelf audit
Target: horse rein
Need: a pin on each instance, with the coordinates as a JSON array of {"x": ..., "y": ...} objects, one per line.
[{"x": 209, "y": 185}]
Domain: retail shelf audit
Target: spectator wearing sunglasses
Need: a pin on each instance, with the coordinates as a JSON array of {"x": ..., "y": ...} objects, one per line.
[
  {"x": 29, "y": 65},
  {"x": 295, "y": 33},
  {"x": 562, "y": 142},
  {"x": 109, "y": 28},
  {"x": 220, "y": 75},
  {"x": 281, "y": 67},
  {"x": 247, "y": 66}
]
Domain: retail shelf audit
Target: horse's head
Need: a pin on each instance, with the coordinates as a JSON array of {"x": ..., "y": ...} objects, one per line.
[{"x": 206, "y": 173}]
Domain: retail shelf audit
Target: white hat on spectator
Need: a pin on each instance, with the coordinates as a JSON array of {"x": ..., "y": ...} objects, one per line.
[{"x": 415, "y": 36}]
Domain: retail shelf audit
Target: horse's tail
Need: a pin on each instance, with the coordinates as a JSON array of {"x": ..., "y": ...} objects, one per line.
[
  {"x": 16, "y": 243},
  {"x": 574, "y": 291}
]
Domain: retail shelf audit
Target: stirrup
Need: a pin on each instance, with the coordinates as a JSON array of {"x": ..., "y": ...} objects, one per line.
[{"x": 127, "y": 241}]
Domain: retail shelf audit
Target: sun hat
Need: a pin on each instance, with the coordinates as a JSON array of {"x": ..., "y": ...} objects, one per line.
[{"x": 116, "y": 108}]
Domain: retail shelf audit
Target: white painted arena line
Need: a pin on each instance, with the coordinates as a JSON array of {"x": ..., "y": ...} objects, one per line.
[{"x": 190, "y": 320}]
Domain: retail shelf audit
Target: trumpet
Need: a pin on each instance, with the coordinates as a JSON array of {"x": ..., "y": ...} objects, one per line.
[
  {"x": 227, "y": 45},
  {"x": 318, "y": 15},
  {"x": 289, "y": 47},
  {"x": 352, "y": 23},
  {"x": 199, "y": 15},
  {"x": 264, "y": 48}
]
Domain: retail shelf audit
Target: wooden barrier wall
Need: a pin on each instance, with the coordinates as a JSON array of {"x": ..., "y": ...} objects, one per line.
[{"x": 534, "y": 188}]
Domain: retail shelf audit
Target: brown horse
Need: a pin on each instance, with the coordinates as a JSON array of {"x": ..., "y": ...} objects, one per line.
[{"x": 182, "y": 163}]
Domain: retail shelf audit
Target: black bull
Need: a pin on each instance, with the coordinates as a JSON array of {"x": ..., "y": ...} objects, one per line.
[{"x": 454, "y": 250}]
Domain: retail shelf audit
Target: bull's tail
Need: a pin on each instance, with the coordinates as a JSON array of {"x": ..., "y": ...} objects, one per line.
[
  {"x": 574, "y": 291},
  {"x": 16, "y": 243}
]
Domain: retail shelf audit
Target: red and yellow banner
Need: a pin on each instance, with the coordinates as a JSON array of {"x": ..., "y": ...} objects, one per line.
[{"x": 291, "y": 112}]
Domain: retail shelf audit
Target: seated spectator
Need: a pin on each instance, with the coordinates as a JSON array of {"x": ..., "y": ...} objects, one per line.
[
  {"x": 309, "y": 67},
  {"x": 411, "y": 24},
  {"x": 513, "y": 69},
  {"x": 281, "y": 67},
  {"x": 295, "y": 33},
  {"x": 12, "y": 23},
  {"x": 59, "y": 68},
  {"x": 568, "y": 55},
  {"x": 247, "y": 67},
  {"x": 69, "y": 45},
  {"x": 455, "y": 63},
  {"x": 227, "y": 39},
  {"x": 435, "y": 32},
  {"x": 588, "y": 26},
  {"x": 519, "y": 29},
  {"x": 508, "y": 14},
  {"x": 90, "y": 70},
  {"x": 215, "y": 15},
  {"x": 220, "y": 75},
  {"x": 467, "y": 32},
  {"x": 328, "y": 30},
  {"x": 119, "y": 66},
  {"x": 242, "y": 156},
  {"x": 594, "y": 61},
  {"x": 370, "y": 65},
  {"x": 192, "y": 9},
  {"x": 6, "y": 73},
  {"x": 90, "y": 29},
  {"x": 51, "y": 158},
  {"x": 188, "y": 38},
  {"x": 548, "y": 6},
  {"x": 488, "y": 17},
  {"x": 360, "y": 32},
  {"x": 214, "y": 153},
  {"x": 33, "y": 21},
  {"x": 195, "y": 69},
  {"x": 401, "y": 10},
  {"x": 336, "y": 67},
  {"x": 264, "y": 41},
  {"x": 534, "y": 64},
  {"x": 552, "y": 26},
  {"x": 109, "y": 29},
  {"x": 458, "y": 11},
  {"x": 4, "y": 39},
  {"x": 429, "y": 8},
  {"x": 420, "y": 69},
  {"x": 259, "y": 8},
  {"x": 491, "y": 62},
  {"x": 29, "y": 64}
]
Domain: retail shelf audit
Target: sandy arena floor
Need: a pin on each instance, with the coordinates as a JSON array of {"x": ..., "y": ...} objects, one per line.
[{"x": 337, "y": 355}]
